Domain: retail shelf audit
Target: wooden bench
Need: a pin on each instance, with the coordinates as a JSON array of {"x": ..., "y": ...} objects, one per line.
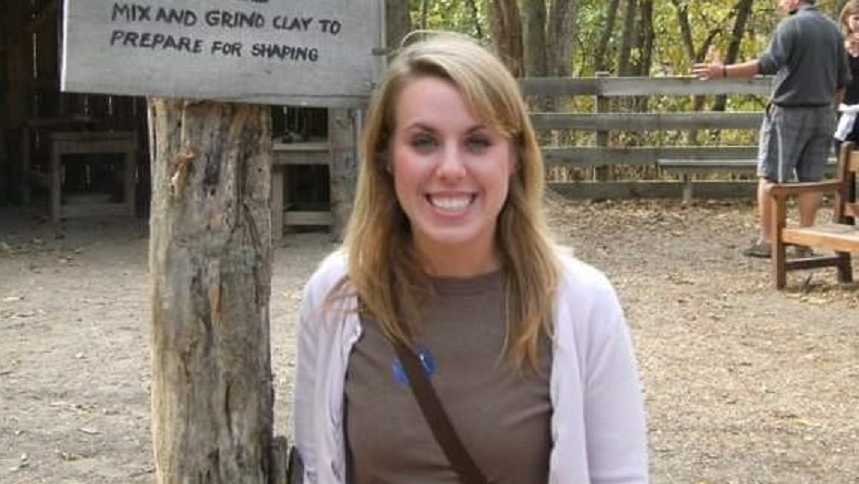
[
  {"x": 686, "y": 168},
  {"x": 840, "y": 236},
  {"x": 63, "y": 143}
]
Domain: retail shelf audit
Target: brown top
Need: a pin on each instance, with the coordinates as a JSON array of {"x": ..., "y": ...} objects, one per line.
[{"x": 501, "y": 415}]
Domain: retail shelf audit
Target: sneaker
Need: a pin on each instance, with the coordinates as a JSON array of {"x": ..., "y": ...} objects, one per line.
[
  {"x": 803, "y": 252},
  {"x": 759, "y": 249}
]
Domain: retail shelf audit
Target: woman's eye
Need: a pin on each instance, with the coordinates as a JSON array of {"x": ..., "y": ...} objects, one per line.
[
  {"x": 423, "y": 142},
  {"x": 477, "y": 144}
]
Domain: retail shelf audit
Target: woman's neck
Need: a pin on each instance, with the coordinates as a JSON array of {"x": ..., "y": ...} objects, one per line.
[{"x": 458, "y": 263}]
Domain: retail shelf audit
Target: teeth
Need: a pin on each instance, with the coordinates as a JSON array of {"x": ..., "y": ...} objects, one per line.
[{"x": 450, "y": 203}]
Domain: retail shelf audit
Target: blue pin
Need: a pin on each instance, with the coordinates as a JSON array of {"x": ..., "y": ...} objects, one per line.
[{"x": 427, "y": 362}]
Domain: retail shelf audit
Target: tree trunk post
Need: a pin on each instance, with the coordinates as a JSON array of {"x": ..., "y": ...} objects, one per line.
[
  {"x": 210, "y": 269},
  {"x": 343, "y": 168}
]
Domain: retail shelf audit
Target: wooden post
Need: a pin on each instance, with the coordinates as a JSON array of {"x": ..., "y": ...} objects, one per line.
[
  {"x": 278, "y": 179},
  {"x": 19, "y": 95},
  {"x": 343, "y": 168},
  {"x": 210, "y": 268},
  {"x": 4, "y": 122},
  {"x": 602, "y": 105}
]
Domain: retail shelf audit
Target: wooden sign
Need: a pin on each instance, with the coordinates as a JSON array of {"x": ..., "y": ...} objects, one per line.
[{"x": 299, "y": 52}]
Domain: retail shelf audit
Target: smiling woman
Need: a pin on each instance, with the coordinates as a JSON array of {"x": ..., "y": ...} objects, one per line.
[
  {"x": 451, "y": 175},
  {"x": 448, "y": 271}
]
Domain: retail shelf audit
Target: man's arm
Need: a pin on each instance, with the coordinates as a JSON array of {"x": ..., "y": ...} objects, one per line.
[
  {"x": 839, "y": 97},
  {"x": 744, "y": 70}
]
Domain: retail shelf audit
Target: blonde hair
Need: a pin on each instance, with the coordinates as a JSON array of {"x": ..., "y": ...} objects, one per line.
[
  {"x": 384, "y": 269},
  {"x": 850, "y": 8}
]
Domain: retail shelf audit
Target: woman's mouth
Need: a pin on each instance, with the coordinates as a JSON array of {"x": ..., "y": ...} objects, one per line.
[{"x": 451, "y": 203}]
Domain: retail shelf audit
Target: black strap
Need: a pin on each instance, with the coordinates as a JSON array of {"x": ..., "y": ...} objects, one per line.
[{"x": 437, "y": 418}]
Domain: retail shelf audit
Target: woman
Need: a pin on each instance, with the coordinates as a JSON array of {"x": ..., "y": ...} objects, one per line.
[
  {"x": 447, "y": 252},
  {"x": 848, "y": 129}
]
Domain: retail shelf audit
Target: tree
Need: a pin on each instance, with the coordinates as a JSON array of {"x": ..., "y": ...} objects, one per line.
[
  {"x": 629, "y": 26},
  {"x": 549, "y": 37},
  {"x": 343, "y": 168},
  {"x": 506, "y": 24},
  {"x": 536, "y": 58},
  {"x": 397, "y": 22},
  {"x": 743, "y": 11},
  {"x": 646, "y": 38},
  {"x": 602, "y": 47},
  {"x": 560, "y": 33},
  {"x": 210, "y": 264}
]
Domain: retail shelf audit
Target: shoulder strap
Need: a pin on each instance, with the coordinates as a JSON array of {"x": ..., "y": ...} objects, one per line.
[{"x": 437, "y": 418}]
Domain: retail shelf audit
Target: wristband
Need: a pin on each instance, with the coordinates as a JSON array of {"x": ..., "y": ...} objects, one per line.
[{"x": 724, "y": 71}]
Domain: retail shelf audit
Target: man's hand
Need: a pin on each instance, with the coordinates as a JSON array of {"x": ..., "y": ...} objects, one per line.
[{"x": 705, "y": 72}]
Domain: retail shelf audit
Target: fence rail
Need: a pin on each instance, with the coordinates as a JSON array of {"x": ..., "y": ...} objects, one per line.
[
  {"x": 603, "y": 121},
  {"x": 643, "y": 86},
  {"x": 604, "y": 155},
  {"x": 591, "y": 156},
  {"x": 648, "y": 121}
]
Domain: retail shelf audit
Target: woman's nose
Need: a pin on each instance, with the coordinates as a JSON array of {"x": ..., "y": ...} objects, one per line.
[{"x": 451, "y": 166}]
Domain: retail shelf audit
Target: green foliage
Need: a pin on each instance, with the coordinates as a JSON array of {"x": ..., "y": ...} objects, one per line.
[
  {"x": 452, "y": 15},
  {"x": 706, "y": 18}
]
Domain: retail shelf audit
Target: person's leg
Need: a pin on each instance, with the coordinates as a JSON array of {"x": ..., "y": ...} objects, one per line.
[
  {"x": 777, "y": 155},
  {"x": 808, "y": 204},
  {"x": 811, "y": 165},
  {"x": 768, "y": 161}
]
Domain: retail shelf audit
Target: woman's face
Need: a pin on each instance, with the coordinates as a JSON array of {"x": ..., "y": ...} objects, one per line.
[
  {"x": 451, "y": 172},
  {"x": 853, "y": 23}
]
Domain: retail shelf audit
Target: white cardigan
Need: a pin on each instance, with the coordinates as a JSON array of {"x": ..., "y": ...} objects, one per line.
[{"x": 598, "y": 424}]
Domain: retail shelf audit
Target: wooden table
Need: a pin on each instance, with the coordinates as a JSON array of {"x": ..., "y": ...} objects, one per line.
[
  {"x": 89, "y": 142},
  {"x": 290, "y": 154}
]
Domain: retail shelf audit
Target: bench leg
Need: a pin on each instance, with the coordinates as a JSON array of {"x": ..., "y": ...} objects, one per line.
[
  {"x": 779, "y": 213},
  {"x": 687, "y": 189},
  {"x": 845, "y": 270},
  {"x": 779, "y": 270}
]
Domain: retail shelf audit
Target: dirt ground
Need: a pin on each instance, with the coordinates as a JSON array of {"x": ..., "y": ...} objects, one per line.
[{"x": 743, "y": 384}]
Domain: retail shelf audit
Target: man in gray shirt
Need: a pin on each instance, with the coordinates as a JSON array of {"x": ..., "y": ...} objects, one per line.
[{"x": 806, "y": 55}]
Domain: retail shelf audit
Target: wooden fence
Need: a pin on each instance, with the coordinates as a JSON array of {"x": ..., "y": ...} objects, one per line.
[{"x": 603, "y": 122}]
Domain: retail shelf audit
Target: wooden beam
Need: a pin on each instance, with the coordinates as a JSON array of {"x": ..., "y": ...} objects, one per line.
[
  {"x": 296, "y": 217},
  {"x": 643, "y": 86},
  {"x": 647, "y": 121},
  {"x": 301, "y": 153},
  {"x": 589, "y": 156},
  {"x": 624, "y": 190}
]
